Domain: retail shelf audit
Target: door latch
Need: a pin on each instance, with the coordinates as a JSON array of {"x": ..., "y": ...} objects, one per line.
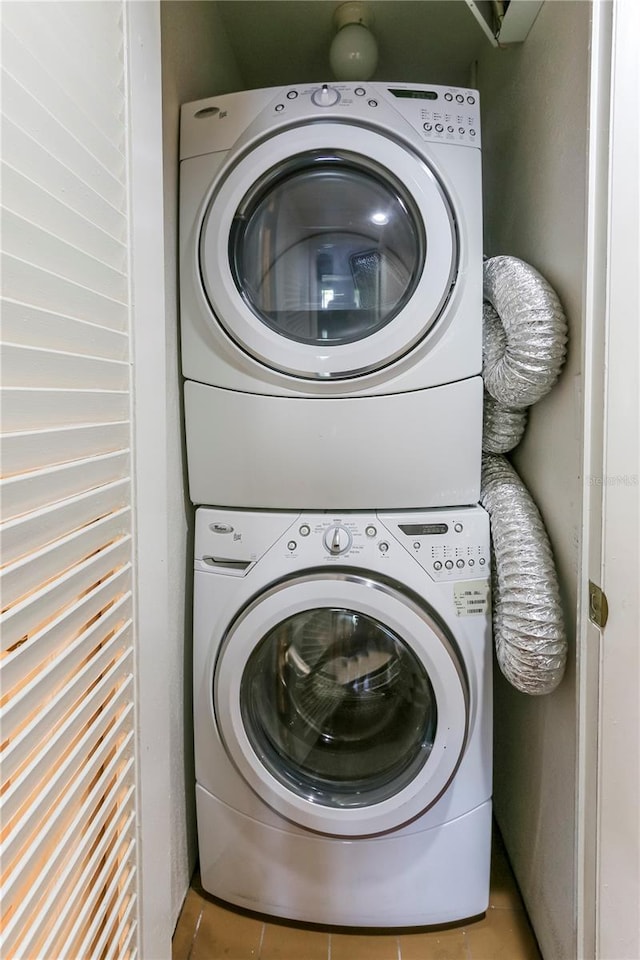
[{"x": 598, "y": 606}]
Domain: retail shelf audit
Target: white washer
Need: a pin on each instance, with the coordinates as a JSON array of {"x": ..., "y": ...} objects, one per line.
[
  {"x": 342, "y": 707},
  {"x": 331, "y": 250}
]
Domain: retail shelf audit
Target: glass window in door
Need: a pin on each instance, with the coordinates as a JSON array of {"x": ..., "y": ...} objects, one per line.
[
  {"x": 327, "y": 248},
  {"x": 338, "y": 708}
]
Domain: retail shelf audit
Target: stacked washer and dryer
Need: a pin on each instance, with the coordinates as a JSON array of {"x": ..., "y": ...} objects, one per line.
[{"x": 331, "y": 312}]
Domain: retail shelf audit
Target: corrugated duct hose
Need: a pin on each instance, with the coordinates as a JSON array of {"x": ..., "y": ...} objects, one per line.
[{"x": 524, "y": 347}]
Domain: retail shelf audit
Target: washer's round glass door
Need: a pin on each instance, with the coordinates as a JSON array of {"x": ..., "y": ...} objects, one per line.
[
  {"x": 327, "y": 251},
  {"x": 327, "y": 248},
  {"x": 342, "y": 702},
  {"x": 338, "y": 707}
]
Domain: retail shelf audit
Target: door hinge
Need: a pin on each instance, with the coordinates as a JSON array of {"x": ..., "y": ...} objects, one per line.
[{"x": 598, "y": 606}]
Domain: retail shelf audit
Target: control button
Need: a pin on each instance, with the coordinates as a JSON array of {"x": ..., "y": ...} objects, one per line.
[
  {"x": 439, "y": 127},
  {"x": 448, "y": 96},
  {"x": 450, "y": 129},
  {"x": 279, "y": 107},
  {"x": 472, "y": 133},
  {"x": 460, "y": 563},
  {"x": 449, "y": 564},
  {"x": 292, "y": 94},
  {"x": 459, "y": 98},
  {"x": 416, "y": 545},
  {"x": 383, "y": 547},
  {"x": 471, "y": 562},
  {"x": 482, "y": 561},
  {"x": 305, "y": 530},
  {"x": 461, "y": 131},
  {"x": 471, "y": 99},
  {"x": 372, "y": 103},
  {"x": 359, "y": 91},
  {"x": 371, "y": 530},
  {"x": 326, "y": 96},
  {"x": 337, "y": 540},
  {"x": 437, "y": 565},
  {"x": 291, "y": 545},
  {"x": 457, "y": 527},
  {"x": 428, "y": 127}
]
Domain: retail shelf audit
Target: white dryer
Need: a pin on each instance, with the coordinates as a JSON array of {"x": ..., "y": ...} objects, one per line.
[
  {"x": 342, "y": 707},
  {"x": 330, "y": 295}
]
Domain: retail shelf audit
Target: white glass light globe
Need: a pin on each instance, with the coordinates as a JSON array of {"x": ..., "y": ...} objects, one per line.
[{"x": 354, "y": 53}]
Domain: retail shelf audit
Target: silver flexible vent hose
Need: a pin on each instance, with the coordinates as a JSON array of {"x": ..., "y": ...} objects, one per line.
[
  {"x": 524, "y": 347},
  {"x": 528, "y": 626}
]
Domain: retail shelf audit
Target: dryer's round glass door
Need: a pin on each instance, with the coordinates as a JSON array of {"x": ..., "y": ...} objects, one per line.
[
  {"x": 327, "y": 248},
  {"x": 327, "y": 251},
  {"x": 338, "y": 707}
]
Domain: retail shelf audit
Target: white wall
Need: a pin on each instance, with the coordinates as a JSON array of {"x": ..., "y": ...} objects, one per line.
[
  {"x": 618, "y": 833},
  {"x": 534, "y": 100},
  {"x": 196, "y": 63}
]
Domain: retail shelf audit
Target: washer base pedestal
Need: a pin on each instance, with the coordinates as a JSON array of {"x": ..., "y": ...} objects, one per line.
[{"x": 405, "y": 878}]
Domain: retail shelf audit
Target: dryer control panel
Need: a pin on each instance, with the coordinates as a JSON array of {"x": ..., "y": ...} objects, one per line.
[{"x": 437, "y": 114}]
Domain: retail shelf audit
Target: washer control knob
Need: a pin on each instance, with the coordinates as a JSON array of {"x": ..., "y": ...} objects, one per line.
[
  {"x": 337, "y": 540},
  {"x": 326, "y": 96},
  {"x": 305, "y": 530}
]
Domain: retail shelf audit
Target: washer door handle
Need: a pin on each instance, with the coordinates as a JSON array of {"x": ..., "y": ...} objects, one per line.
[{"x": 226, "y": 563}]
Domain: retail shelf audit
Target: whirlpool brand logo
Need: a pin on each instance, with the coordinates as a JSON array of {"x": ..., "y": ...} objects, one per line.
[{"x": 223, "y": 528}]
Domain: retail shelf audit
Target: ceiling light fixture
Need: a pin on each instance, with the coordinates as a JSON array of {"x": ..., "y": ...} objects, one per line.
[{"x": 354, "y": 49}]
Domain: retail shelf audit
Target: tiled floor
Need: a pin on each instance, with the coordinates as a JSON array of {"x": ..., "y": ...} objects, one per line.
[{"x": 209, "y": 931}]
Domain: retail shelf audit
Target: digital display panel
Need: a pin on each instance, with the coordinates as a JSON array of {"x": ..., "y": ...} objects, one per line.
[
  {"x": 423, "y": 529},
  {"x": 415, "y": 94}
]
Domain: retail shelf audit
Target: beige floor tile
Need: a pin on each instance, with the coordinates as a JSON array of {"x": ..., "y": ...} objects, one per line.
[
  {"x": 226, "y": 935},
  {"x": 353, "y": 946},
  {"x": 502, "y": 935},
  {"x": 435, "y": 945},
  {"x": 186, "y": 929},
  {"x": 281, "y": 942}
]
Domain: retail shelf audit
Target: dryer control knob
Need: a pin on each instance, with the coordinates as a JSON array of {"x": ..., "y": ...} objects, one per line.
[
  {"x": 326, "y": 96},
  {"x": 337, "y": 540}
]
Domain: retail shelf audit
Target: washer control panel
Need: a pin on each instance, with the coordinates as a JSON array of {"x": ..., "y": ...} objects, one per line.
[
  {"x": 451, "y": 544},
  {"x": 448, "y": 544}
]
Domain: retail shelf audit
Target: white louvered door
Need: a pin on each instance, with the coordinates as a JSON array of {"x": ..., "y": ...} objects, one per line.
[{"x": 68, "y": 803}]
